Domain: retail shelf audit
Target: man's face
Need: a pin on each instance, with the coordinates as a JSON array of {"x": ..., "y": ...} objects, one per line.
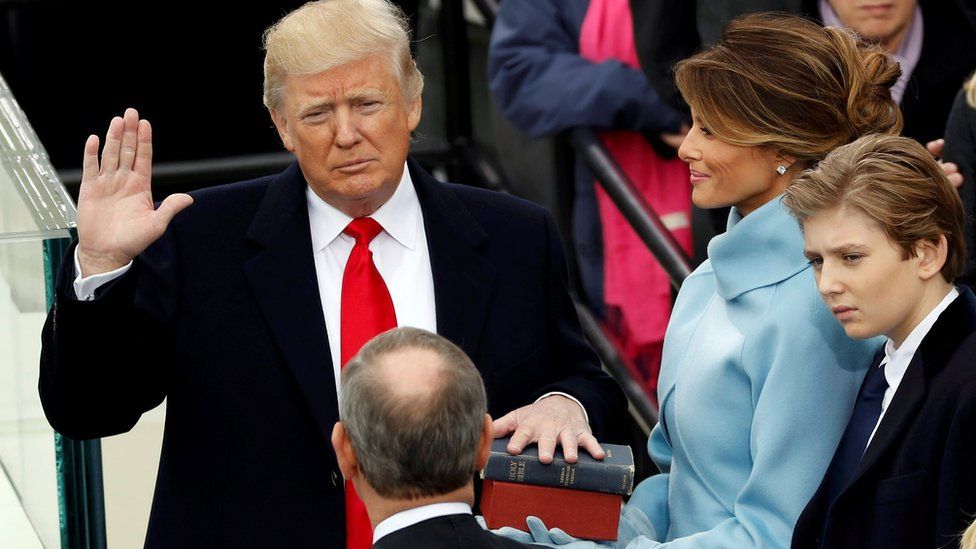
[
  {"x": 350, "y": 129},
  {"x": 881, "y": 21}
]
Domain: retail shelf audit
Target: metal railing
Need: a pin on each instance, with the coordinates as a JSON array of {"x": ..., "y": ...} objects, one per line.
[
  {"x": 648, "y": 226},
  {"x": 638, "y": 213}
]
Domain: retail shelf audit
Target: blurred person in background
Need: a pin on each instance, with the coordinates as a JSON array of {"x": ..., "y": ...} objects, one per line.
[
  {"x": 934, "y": 42},
  {"x": 960, "y": 149},
  {"x": 556, "y": 65}
]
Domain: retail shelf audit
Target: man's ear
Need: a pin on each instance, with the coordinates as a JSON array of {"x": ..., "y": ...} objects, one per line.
[
  {"x": 414, "y": 108},
  {"x": 931, "y": 256},
  {"x": 484, "y": 444},
  {"x": 344, "y": 452},
  {"x": 281, "y": 124}
]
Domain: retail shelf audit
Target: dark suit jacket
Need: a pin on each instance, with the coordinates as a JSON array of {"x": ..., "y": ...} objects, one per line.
[
  {"x": 222, "y": 317},
  {"x": 446, "y": 532},
  {"x": 916, "y": 484}
]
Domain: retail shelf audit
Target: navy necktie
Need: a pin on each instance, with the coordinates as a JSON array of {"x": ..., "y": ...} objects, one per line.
[{"x": 867, "y": 410}]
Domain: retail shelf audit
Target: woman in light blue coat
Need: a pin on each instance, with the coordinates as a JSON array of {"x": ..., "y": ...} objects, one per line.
[{"x": 758, "y": 379}]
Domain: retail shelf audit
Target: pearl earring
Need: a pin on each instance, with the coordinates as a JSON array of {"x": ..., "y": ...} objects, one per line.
[{"x": 781, "y": 169}]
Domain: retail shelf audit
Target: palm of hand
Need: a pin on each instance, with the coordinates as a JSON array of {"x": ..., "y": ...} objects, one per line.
[{"x": 116, "y": 216}]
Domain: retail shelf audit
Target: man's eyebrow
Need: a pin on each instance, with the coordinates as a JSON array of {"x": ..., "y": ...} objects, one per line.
[
  {"x": 353, "y": 95},
  {"x": 315, "y": 105},
  {"x": 366, "y": 93}
]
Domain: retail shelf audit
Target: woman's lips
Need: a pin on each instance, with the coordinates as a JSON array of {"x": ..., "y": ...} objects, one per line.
[{"x": 698, "y": 177}]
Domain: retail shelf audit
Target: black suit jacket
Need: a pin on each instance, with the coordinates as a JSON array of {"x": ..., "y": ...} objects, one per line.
[
  {"x": 222, "y": 317},
  {"x": 446, "y": 532},
  {"x": 916, "y": 484}
]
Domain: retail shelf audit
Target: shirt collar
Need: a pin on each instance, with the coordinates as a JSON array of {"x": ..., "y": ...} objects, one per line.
[
  {"x": 398, "y": 216},
  {"x": 897, "y": 360},
  {"x": 410, "y": 517}
]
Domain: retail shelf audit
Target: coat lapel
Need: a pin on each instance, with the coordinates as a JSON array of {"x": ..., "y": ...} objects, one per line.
[
  {"x": 908, "y": 398},
  {"x": 937, "y": 347},
  {"x": 282, "y": 275},
  {"x": 463, "y": 278}
]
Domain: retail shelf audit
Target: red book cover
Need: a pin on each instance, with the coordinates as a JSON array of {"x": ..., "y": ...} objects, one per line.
[{"x": 582, "y": 514}]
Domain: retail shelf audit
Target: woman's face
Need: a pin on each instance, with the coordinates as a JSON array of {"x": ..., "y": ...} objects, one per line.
[
  {"x": 723, "y": 174},
  {"x": 881, "y": 21},
  {"x": 863, "y": 277}
]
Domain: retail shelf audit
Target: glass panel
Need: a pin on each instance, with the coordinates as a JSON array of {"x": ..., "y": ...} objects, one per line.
[
  {"x": 33, "y": 202},
  {"x": 33, "y": 206},
  {"x": 26, "y": 441},
  {"x": 15, "y": 528}
]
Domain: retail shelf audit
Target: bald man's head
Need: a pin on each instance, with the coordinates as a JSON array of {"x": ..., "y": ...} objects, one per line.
[{"x": 413, "y": 405}]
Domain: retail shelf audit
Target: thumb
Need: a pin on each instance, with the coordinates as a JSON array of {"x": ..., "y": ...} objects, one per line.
[
  {"x": 172, "y": 205},
  {"x": 504, "y": 425}
]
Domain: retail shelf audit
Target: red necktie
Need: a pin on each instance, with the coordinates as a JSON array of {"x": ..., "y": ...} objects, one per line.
[{"x": 366, "y": 310}]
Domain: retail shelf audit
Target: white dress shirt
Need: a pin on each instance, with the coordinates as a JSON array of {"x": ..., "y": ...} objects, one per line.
[
  {"x": 410, "y": 517},
  {"x": 896, "y": 360},
  {"x": 399, "y": 253}
]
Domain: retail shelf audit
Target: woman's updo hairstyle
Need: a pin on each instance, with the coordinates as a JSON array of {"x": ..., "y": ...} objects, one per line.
[{"x": 786, "y": 83}]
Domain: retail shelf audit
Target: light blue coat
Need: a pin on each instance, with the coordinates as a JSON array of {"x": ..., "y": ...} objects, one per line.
[{"x": 757, "y": 383}]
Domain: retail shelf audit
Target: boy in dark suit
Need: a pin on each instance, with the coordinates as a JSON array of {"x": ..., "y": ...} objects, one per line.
[
  {"x": 414, "y": 428},
  {"x": 883, "y": 228}
]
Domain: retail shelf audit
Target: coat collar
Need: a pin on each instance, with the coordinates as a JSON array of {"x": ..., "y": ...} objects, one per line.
[
  {"x": 758, "y": 250},
  {"x": 954, "y": 325},
  {"x": 282, "y": 274}
]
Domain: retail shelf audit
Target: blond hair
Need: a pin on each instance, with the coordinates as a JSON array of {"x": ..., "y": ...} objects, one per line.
[
  {"x": 968, "y": 540},
  {"x": 784, "y": 82},
  {"x": 896, "y": 183},
  {"x": 970, "y": 87},
  {"x": 326, "y": 34}
]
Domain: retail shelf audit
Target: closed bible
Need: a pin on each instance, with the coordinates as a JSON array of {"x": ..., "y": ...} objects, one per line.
[
  {"x": 613, "y": 474},
  {"x": 579, "y": 513}
]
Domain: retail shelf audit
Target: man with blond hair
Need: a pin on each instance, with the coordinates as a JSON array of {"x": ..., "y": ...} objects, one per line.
[{"x": 242, "y": 310}]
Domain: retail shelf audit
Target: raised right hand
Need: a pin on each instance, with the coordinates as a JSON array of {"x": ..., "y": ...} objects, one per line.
[{"x": 116, "y": 216}]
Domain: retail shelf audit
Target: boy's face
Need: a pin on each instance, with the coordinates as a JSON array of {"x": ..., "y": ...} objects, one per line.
[{"x": 863, "y": 277}]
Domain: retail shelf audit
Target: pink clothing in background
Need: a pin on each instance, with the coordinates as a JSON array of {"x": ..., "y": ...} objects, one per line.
[{"x": 637, "y": 291}]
